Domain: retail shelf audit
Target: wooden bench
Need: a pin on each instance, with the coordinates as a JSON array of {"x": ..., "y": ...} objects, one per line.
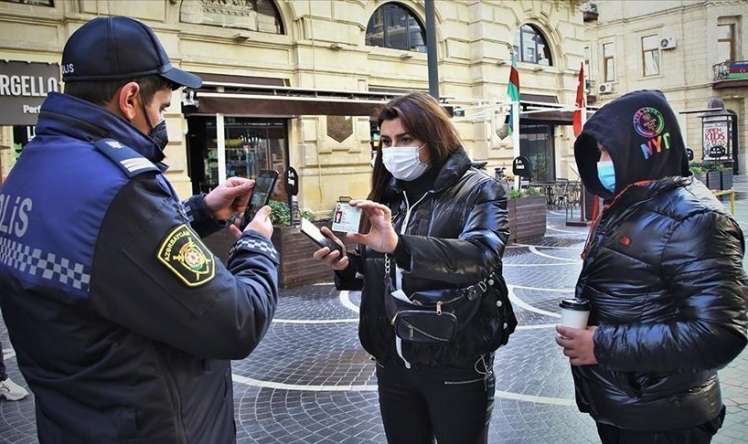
[{"x": 730, "y": 194}]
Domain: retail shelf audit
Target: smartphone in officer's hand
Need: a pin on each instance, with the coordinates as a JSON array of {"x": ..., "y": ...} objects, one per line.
[
  {"x": 264, "y": 185},
  {"x": 320, "y": 239}
]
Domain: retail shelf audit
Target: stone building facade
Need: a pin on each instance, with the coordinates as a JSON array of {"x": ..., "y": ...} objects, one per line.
[
  {"x": 302, "y": 49},
  {"x": 682, "y": 47}
]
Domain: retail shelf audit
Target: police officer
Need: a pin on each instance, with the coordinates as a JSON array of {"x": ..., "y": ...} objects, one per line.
[{"x": 122, "y": 321}]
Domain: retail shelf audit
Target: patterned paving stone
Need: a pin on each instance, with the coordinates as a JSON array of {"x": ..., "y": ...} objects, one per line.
[
  {"x": 318, "y": 302},
  {"x": 543, "y": 276},
  {"x": 279, "y": 416},
  {"x": 309, "y": 354},
  {"x": 544, "y": 372}
]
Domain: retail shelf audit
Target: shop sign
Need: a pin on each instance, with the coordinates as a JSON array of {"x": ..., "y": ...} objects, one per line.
[
  {"x": 715, "y": 139},
  {"x": 23, "y": 88}
]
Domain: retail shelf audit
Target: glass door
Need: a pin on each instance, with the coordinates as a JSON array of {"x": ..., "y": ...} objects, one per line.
[
  {"x": 536, "y": 143},
  {"x": 251, "y": 145}
]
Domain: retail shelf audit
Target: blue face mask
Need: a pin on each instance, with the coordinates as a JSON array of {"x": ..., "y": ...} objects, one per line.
[{"x": 607, "y": 175}]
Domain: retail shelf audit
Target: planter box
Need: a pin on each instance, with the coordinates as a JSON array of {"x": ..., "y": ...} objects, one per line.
[
  {"x": 713, "y": 180},
  {"x": 527, "y": 218},
  {"x": 700, "y": 177},
  {"x": 297, "y": 267},
  {"x": 726, "y": 179}
]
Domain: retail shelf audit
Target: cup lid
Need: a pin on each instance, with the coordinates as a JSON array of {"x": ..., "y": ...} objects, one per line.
[{"x": 575, "y": 304}]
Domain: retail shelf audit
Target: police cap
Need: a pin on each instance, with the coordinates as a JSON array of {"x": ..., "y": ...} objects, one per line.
[{"x": 119, "y": 48}]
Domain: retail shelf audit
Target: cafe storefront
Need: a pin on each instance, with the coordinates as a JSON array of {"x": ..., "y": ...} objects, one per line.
[{"x": 239, "y": 126}]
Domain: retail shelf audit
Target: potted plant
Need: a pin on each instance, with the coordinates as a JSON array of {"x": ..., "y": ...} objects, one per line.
[
  {"x": 713, "y": 176},
  {"x": 718, "y": 176},
  {"x": 527, "y": 218},
  {"x": 297, "y": 267},
  {"x": 698, "y": 172},
  {"x": 726, "y": 177}
]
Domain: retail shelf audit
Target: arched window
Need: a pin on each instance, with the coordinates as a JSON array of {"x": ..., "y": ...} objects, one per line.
[
  {"x": 253, "y": 15},
  {"x": 531, "y": 46},
  {"x": 394, "y": 26}
]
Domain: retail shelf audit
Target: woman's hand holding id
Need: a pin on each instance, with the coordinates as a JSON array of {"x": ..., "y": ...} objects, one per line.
[{"x": 382, "y": 236}]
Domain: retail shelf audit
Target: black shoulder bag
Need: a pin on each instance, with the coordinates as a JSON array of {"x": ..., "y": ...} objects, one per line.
[{"x": 436, "y": 316}]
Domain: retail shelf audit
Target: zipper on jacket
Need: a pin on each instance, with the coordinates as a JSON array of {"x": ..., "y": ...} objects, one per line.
[
  {"x": 409, "y": 209},
  {"x": 399, "y": 273},
  {"x": 406, "y": 219}
]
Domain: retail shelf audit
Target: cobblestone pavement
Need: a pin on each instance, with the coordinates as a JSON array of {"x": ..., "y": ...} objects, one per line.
[{"x": 310, "y": 381}]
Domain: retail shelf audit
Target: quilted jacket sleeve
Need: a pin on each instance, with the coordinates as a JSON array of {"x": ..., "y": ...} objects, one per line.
[{"x": 223, "y": 315}]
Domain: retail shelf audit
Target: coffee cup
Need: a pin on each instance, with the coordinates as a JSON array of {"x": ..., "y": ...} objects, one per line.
[{"x": 574, "y": 313}]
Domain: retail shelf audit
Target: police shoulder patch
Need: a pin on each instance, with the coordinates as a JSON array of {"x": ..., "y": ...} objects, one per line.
[{"x": 184, "y": 254}]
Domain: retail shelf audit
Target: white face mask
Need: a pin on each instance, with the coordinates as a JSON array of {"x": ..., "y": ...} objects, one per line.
[{"x": 404, "y": 162}]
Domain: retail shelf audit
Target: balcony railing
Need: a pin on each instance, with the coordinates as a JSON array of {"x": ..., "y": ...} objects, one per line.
[{"x": 731, "y": 70}]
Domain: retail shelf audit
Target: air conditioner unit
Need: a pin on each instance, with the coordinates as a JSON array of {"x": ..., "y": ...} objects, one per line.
[
  {"x": 668, "y": 42},
  {"x": 605, "y": 88}
]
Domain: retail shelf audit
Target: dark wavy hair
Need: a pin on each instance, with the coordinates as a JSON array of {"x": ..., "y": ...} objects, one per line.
[{"x": 424, "y": 119}]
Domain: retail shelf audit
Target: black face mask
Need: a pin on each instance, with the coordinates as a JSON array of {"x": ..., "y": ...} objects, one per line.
[{"x": 158, "y": 133}]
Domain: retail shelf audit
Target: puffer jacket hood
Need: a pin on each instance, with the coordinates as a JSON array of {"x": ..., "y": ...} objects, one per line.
[{"x": 642, "y": 136}]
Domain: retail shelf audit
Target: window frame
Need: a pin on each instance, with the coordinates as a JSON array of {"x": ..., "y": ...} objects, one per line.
[
  {"x": 536, "y": 32},
  {"x": 41, "y": 3},
  {"x": 656, "y": 50},
  {"x": 732, "y": 40},
  {"x": 609, "y": 75},
  {"x": 410, "y": 15}
]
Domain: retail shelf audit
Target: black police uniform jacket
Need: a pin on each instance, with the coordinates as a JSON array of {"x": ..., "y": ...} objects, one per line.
[
  {"x": 663, "y": 272},
  {"x": 123, "y": 322},
  {"x": 454, "y": 238}
]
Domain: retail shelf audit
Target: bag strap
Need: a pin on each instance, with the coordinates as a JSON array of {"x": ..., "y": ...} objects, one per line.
[
  {"x": 471, "y": 291},
  {"x": 477, "y": 289},
  {"x": 387, "y": 273}
]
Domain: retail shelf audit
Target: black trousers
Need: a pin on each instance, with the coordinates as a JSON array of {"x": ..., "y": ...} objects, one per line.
[
  {"x": 449, "y": 404},
  {"x": 701, "y": 434}
]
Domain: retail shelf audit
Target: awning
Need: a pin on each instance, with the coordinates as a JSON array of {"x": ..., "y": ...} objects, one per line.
[
  {"x": 533, "y": 105},
  {"x": 258, "y": 105},
  {"x": 270, "y": 100},
  {"x": 552, "y": 117}
]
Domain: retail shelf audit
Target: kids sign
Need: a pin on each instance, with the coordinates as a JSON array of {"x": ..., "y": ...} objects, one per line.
[{"x": 716, "y": 139}]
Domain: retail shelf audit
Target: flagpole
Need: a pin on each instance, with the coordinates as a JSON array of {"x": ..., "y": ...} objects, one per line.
[
  {"x": 581, "y": 105},
  {"x": 515, "y": 138},
  {"x": 514, "y": 95}
]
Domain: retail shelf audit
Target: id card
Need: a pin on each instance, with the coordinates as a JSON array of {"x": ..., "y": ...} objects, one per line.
[{"x": 346, "y": 218}]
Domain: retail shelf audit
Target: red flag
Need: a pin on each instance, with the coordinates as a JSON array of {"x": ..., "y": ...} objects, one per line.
[{"x": 580, "y": 115}]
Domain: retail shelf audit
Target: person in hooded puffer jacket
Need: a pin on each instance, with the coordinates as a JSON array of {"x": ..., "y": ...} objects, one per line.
[{"x": 663, "y": 275}]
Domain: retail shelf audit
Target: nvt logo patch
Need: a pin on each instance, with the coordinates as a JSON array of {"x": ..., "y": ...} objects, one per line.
[{"x": 650, "y": 123}]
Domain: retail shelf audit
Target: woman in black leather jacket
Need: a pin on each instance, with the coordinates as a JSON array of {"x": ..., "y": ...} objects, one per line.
[
  {"x": 442, "y": 227},
  {"x": 663, "y": 272}
]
